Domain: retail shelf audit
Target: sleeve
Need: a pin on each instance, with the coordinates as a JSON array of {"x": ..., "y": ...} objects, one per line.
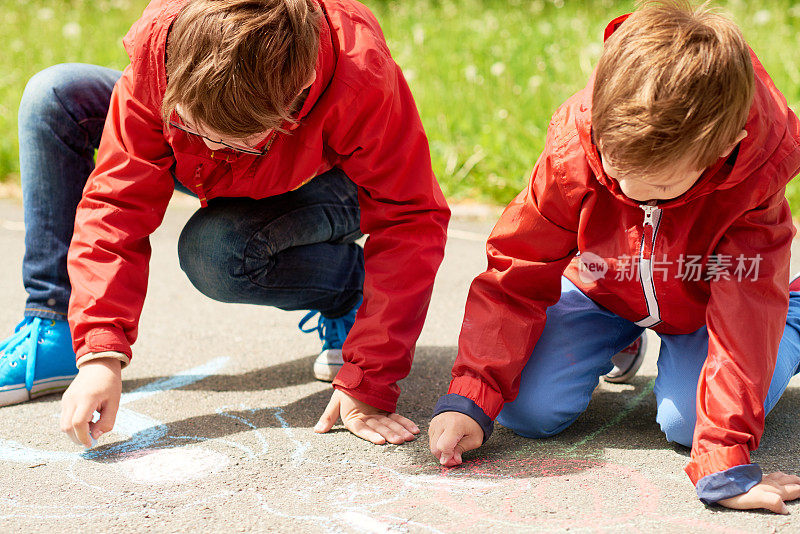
[
  {"x": 405, "y": 215},
  {"x": 742, "y": 353},
  {"x": 123, "y": 203},
  {"x": 528, "y": 250}
]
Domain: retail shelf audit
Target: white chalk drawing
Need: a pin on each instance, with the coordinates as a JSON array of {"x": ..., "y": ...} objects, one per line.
[
  {"x": 142, "y": 430},
  {"x": 299, "y": 485},
  {"x": 172, "y": 466}
]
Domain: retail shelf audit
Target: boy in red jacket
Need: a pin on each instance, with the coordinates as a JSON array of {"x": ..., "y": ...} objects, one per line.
[
  {"x": 666, "y": 174},
  {"x": 293, "y": 126}
]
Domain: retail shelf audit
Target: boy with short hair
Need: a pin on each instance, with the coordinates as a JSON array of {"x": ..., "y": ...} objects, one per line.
[
  {"x": 667, "y": 175},
  {"x": 293, "y": 126}
]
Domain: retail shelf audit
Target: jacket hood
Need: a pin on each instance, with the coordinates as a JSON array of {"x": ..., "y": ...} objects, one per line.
[{"x": 767, "y": 128}]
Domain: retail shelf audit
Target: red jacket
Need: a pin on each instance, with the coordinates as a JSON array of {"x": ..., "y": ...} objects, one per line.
[
  {"x": 359, "y": 116},
  {"x": 571, "y": 206}
]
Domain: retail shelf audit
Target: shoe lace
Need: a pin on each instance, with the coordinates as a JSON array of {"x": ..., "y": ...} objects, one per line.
[
  {"x": 332, "y": 332},
  {"x": 23, "y": 345}
]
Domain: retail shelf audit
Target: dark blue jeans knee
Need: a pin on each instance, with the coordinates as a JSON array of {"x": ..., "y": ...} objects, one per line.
[{"x": 294, "y": 251}]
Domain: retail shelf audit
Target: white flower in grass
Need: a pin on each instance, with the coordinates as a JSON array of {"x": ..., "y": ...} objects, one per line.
[
  {"x": 498, "y": 68},
  {"x": 502, "y": 114},
  {"x": 545, "y": 28},
  {"x": 471, "y": 73},
  {"x": 762, "y": 17},
  {"x": 534, "y": 82},
  {"x": 71, "y": 30},
  {"x": 44, "y": 13},
  {"x": 593, "y": 50},
  {"x": 418, "y": 34}
]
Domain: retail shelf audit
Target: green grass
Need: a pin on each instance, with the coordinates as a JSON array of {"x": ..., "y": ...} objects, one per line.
[{"x": 486, "y": 74}]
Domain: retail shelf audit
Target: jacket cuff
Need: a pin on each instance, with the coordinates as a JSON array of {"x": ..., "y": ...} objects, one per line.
[
  {"x": 351, "y": 380},
  {"x": 456, "y": 403},
  {"x": 90, "y": 356},
  {"x": 729, "y": 483},
  {"x": 716, "y": 460},
  {"x": 488, "y": 400},
  {"x": 103, "y": 340}
]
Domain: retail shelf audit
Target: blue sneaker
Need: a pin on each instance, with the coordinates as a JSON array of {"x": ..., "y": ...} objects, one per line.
[
  {"x": 332, "y": 332},
  {"x": 37, "y": 359}
]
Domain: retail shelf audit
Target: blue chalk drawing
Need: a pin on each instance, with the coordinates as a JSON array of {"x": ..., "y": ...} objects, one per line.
[{"x": 142, "y": 430}]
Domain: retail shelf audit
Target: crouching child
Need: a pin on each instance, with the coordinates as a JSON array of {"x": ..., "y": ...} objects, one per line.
[{"x": 658, "y": 203}]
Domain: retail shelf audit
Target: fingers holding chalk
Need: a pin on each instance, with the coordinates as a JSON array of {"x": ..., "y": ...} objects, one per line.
[{"x": 94, "y": 434}]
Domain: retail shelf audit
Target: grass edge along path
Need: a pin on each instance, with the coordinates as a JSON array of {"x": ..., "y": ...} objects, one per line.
[{"x": 486, "y": 74}]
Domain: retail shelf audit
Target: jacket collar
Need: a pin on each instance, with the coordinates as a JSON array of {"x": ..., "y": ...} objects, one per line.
[{"x": 326, "y": 65}]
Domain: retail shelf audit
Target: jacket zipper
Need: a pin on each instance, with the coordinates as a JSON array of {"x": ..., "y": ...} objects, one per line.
[
  {"x": 198, "y": 183},
  {"x": 650, "y": 224}
]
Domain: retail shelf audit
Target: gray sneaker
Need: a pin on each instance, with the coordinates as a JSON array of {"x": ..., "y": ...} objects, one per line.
[{"x": 627, "y": 361}]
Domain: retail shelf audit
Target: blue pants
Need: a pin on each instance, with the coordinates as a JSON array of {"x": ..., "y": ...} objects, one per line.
[
  {"x": 575, "y": 350},
  {"x": 293, "y": 251}
]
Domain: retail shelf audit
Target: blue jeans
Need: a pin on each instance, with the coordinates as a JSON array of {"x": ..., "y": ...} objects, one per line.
[
  {"x": 575, "y": 350},
  {"x": 293, "y": 251},
  {"x": 61, "y": 119}
]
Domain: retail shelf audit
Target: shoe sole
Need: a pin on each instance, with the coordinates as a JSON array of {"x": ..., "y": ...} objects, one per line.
[
  {"x": 326, "y": 372},
  {"x": 624, "y": 379},
  {"x": 16, "y": 393},
  {"x": 632, "y": 370}
]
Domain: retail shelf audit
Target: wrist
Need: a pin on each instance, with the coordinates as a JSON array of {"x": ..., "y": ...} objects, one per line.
[
  {"x": 107, "y": 356},
  {"x": 108, "y": 362},
  {"x": 452, "y": 402},
  {"x": 728, "y": 483}
]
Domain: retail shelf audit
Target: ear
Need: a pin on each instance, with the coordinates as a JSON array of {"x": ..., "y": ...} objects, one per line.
[{"x": 727, "y": 152}]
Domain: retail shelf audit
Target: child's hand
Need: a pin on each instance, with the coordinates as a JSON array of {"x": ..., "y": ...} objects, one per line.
[
  {"x": 97, "y": 387},
  {"x": 365, "y": 421},
  {"x": 452, "y": 434},
  {"x": 770, "y": 493}
]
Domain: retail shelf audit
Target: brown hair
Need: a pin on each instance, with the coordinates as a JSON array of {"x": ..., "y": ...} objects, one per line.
[
  {"x": 673, "y": 82},
  {"x": 237, "y": 66}
]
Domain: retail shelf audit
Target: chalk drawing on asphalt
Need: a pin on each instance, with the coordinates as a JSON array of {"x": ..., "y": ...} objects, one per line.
[
  {"x": 332, "y": 495},
  {"x": 142, "y": 430}
]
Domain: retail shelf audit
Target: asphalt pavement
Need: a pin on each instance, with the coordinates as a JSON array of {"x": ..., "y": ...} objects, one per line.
[{"x": 215, "y": 432}]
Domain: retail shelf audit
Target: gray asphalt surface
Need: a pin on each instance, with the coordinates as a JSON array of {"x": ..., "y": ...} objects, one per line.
[{"x": 215, "y": 433}]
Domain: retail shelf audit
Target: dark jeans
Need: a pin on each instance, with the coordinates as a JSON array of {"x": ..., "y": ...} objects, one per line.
[
  {"x": 293, "y": 251},
  {"x": 61, "y": 118}
]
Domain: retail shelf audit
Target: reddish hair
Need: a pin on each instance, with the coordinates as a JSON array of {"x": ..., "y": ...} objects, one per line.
[
  {"x": 238, "y": 66},
  {"x": 673, "y": 82}
]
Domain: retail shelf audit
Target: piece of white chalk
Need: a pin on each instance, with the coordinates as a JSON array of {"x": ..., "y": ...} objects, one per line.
[{"x": 95, "y": 418}]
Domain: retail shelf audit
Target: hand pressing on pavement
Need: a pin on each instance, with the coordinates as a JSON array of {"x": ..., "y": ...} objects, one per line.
[
  {"x": 365, "y": 421},
  {"x": 452, "y": 434},
  {"x": 97, "y": 387},
  {"x": 771, "y": 493}
]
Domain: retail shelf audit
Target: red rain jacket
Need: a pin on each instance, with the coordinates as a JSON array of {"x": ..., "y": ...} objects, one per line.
[
  {"x": 734, "y": 214},
  {"x": 359, "y": 116}
]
